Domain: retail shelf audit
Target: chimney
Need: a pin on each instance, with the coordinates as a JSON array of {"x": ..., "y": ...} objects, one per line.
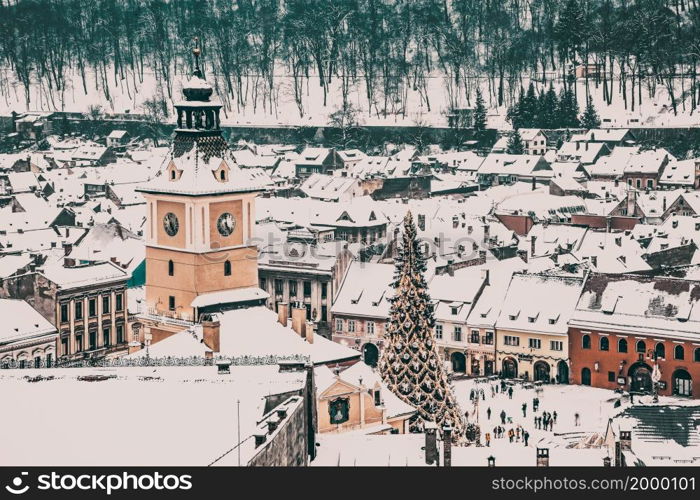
[
  {"x": 260, "y": 439},
  {"x": 309, "y": 332},
  {"x": 447, "y": 446},
  {"x": 631, "y": 202},
  {"x": 210, "y": 334},
  {"x": 487, "y": 230},
  {"x": 431, "y": 453},
  {"x": 299, "y": 319},
  {"x": 533, "y": 241},
  {"x": 282, "y": 313},
  {"x": 534, "y": 184},
  {"x": 542, "y": 457}
]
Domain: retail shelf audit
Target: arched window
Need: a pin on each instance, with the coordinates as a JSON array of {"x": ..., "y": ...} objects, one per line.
[
  {"x": 678, "y": 352},
  {"x": 586, "y": 341},
  {"x": 697, "y": 354},
  {"x": 171, "y": 268},
  {"x": 173, "y": 174},
  {"x": 622, "y": 345},
  {"x": 227, "y": 268},
  {"x": 604, "y": 344},
  {"x": 641, "y": 346},
  {"x": 222, "y": 175},
  {"x": 660, "y": 350}
]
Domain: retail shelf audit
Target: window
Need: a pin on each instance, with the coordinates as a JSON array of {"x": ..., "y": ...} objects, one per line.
[
  {"x": 474, "y": 337},
  {"x": 37, "y": 362},
  {"x": 92, "y": 307},
  {"x": 556, "y": 345},
  {"x": 370, "y": 327},
  {"x": 534, "y": 343},
  {"x": 324, "y": 290},
  {"x": 678, "y": 352},
  {"x": 292, "y": 288},
  {"x": 120, "y": 334},
  {"x": 660, "y": 350},
  {"x": 93, "y": 340},
  {"x": 307, "y": 289},
  {"x": 586, "y": 341},
  {"x": 622, "y": 345},
  {"x": 438, "y": 332},
  {"x": 641, "y": 346},
  {"x": 171, "y": 303},
  {"x": 696, "y": 355},
  {"x": 78, "y": 309},
  {"x": 611, "y": 376},
  {"x": 488, "y": 340},
  {"x": 105, "y": 337},
  {"x": 227, "y": 268},
  {"x": 511, "y": 340},
  {"x": 105, "y": 304},
  {"x": 49, "y": 360},
  {"x": 120, "y": 302},
  {"x": 377, "y": 398},
  {"x": 263, "y": 283},
  {"x": 604, "y": 344},
  {"x": 457, "y": 334},
  {"x": 172, "y": 175},
  {"x": 351, "y": 325},
  {"x": 338, "y": 325},
  {"x": 64, "y": 313},
  {"x": 222, "y": 175},
  {"x": 171, "y": 268},
  {"x": 278, "y": 287},
  {"x": 650, "y": 183}
]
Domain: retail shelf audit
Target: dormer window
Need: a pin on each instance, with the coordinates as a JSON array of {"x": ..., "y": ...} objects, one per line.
[
  {"x": 222, "y": 175},
  {"x": 173, "y": 175}
]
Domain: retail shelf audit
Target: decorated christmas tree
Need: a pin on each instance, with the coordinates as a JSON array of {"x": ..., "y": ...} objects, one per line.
[{"x": 410, "y": 364}]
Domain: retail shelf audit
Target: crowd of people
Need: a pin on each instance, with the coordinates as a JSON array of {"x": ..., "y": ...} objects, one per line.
[{"x": 505, "y": 425}]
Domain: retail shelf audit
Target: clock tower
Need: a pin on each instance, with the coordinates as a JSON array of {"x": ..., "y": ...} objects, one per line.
[{"x": 200, "y": 219}]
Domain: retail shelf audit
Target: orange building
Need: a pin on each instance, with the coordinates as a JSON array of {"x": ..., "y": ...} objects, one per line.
[{"x": 200, "y": 221}]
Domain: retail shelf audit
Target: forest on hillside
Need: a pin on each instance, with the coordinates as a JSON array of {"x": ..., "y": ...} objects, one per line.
[{"x": 391, "y": 47}]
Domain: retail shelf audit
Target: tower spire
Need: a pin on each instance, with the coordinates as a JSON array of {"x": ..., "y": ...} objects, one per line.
[{"x": 196, "y": 51}]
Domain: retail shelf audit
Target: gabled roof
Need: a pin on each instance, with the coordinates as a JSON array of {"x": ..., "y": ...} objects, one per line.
[{"x": 21, "y": 321}]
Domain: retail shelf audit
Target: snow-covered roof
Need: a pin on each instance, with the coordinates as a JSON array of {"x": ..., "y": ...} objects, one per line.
[
  {"x": 180, "y": 398},
  {"x": 680, "y": 173},
  {"x": 20, "y": 321},
  {"x": 230, "y": 296},
  {"x": 328, "y": 187},
  {"x": 539, "y": 303},
  {"x": 639, "y": 304},
  {"x": 80, "y": 276},
  {"x": 255, "y": 332},
  {"x": 365, "y": 291}
]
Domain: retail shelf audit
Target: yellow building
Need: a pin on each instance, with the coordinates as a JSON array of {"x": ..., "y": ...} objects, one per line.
[
  {"x": 356, "y": 399},
  {"x": 532, "y": 328}
]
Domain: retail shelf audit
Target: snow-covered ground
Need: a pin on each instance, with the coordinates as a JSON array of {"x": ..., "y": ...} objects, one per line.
[
  {"x": 654, "y": 111},
  {"x": 594, "y": 406}
]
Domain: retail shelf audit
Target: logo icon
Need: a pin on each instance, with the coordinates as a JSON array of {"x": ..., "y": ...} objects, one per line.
[{"x": 16, "y": 488}]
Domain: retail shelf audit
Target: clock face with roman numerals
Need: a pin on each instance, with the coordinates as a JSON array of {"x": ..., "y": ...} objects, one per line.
[
  {"x": 225, "y": 224},
  {"x": 171, "y": 224}
]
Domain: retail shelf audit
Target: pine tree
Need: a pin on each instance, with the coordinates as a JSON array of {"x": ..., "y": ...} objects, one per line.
[
  {"x": 514, "y": 114},
  {"x": 568, "y": 109},
  {"x": 590, "y": 118},
  {"x": 528, "y": 107},
  {"x": 548, "y": 111},
  {"x": 410, "y": 364},
  {"x": 479, "y": 113},
  {"x": 515, "y": 144}
]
